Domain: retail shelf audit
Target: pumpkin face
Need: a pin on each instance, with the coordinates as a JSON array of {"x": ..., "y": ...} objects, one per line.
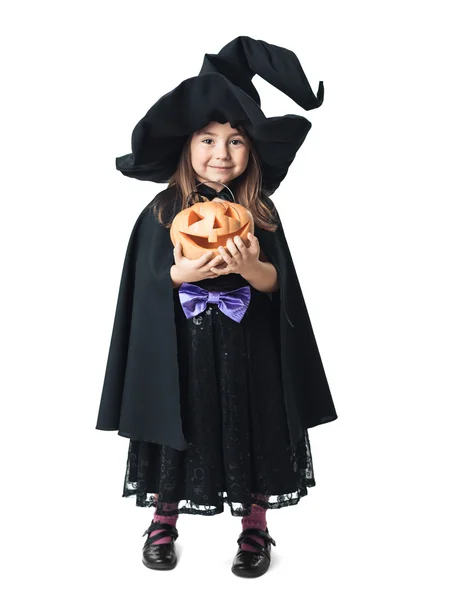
[{"x": 208, "y": 225}]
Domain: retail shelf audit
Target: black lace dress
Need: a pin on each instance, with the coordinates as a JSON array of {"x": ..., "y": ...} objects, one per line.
[{"x": 234, "y": 419}]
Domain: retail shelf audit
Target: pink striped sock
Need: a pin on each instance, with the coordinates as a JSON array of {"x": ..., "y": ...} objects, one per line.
[
  {"x": 257, "y": 519},
  {"x": 163, "y": 519}
]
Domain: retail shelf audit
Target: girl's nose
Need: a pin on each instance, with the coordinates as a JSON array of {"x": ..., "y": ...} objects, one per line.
[{"x": 222, "y": 151}]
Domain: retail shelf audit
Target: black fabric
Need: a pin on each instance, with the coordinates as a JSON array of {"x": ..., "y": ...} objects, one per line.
[
  {"x": 209, "y": 192},
  {"x": 141, "y": 392},
  {"x": 234, "y": 420},
  {"x": 223, "y": 92}
]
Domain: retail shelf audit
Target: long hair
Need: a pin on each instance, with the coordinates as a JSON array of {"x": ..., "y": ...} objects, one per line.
[{"x": 247, "y": 188}]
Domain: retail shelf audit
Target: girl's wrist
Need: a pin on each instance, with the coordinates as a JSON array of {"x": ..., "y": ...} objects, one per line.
[
  {"x": 251, "y": 272},
  {"x": 263, "y": 277},
  {"x": 175, "y": 277}
]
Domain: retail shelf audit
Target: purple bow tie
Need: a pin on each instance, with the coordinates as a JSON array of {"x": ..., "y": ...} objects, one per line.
[{"x": 233, "y": 303}]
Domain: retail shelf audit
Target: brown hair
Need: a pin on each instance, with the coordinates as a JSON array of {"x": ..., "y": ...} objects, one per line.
[{"x": 247, "y": 192}]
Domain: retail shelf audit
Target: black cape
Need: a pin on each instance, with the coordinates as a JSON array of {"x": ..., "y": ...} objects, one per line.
[{"x": 140, "y": 396}]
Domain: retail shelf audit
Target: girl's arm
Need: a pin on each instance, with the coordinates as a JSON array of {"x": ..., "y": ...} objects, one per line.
[{"x": 264, "y": 276}]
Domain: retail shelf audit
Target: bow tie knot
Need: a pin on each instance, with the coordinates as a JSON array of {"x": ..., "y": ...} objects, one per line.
[
  {"x": 233, "y": 303},
  {"x": 213, "y": 297}
]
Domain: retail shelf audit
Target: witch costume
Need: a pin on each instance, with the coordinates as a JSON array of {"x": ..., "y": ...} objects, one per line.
[{"x": 216, "y": 403}]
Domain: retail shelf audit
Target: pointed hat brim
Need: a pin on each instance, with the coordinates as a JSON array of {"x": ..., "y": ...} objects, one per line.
[{"x": 223, "y": 92}]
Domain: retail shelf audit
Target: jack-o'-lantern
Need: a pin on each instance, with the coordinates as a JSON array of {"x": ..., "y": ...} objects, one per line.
[{"x": 207, "y": 225}]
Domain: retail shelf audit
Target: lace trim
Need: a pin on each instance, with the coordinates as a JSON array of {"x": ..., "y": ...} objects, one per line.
[
  {"x": 146, "y": 499},
  {"x": 302, "y": 465}
]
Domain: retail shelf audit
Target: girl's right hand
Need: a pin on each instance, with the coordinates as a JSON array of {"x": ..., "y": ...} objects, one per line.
[{"x": 195, "y": 270}]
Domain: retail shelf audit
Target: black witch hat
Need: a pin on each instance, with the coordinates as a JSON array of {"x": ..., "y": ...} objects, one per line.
[{"x": 223, "y": 91}]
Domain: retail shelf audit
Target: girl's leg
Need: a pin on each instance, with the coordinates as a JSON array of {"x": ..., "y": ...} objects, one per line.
[
  {"x": 257, "y": 519},
  {"x": 163, "y": 519}
]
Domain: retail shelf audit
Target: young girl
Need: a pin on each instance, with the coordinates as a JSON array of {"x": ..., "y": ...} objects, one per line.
[{"x": 237, "y": 434}]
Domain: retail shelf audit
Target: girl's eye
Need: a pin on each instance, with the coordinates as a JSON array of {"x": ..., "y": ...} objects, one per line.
[{"x": 209, "y": 140}]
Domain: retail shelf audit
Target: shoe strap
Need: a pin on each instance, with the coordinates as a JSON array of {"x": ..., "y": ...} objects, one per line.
[
  {"x": 157, "y": 536},
  {"x": 254, "y": 543},
  {"x": 170, "y": 530},
  {"x": 245, "y": 538}
]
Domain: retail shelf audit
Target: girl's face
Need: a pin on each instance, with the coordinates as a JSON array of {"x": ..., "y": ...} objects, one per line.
[{"x": 218, "y": 153}]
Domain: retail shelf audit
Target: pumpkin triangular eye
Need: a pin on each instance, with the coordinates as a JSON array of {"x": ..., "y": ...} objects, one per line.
[
  {"x": 194, "y": 217},
  {"x": 231, "y": 212}
]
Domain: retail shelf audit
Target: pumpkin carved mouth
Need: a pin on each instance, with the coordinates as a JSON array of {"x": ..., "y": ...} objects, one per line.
[
  {"x": 216, "y": 237},
  {"x": 208, "y": 225}
]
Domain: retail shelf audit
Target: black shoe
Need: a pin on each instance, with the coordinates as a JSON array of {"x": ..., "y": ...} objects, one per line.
[
  {"x": 160, "y": 556},
  {"x": 253, "y": 564}
]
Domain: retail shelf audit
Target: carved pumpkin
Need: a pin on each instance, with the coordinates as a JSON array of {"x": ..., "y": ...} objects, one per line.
[{"x": 208, "y": 225}]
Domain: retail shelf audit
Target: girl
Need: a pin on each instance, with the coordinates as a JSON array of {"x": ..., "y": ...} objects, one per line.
[{"x": 237, "y": 434}]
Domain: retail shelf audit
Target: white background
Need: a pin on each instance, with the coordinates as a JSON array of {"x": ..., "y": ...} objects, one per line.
[{"x": 366, "y": 207}]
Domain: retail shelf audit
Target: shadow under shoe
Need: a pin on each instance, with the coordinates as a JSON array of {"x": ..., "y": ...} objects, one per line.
[
  {"x": 253, "y": 564},
  {"x": 160, "y": 556}
]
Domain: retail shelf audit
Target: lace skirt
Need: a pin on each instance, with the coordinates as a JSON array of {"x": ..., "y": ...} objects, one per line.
[{"x": 234, "y": 421}]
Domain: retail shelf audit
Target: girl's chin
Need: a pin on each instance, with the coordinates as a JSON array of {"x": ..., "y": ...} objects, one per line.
[
  {"x": 220, "y": 172},
  {"x": 217, "y": 175}
]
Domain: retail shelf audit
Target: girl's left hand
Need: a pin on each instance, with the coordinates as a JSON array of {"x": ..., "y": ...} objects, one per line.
[{"x": 240, "y": 259}]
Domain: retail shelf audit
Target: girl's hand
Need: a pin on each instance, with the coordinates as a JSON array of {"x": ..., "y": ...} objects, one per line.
[
  {"x": 189, "y": 270},
  {"x": 240, "y": 259}
]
